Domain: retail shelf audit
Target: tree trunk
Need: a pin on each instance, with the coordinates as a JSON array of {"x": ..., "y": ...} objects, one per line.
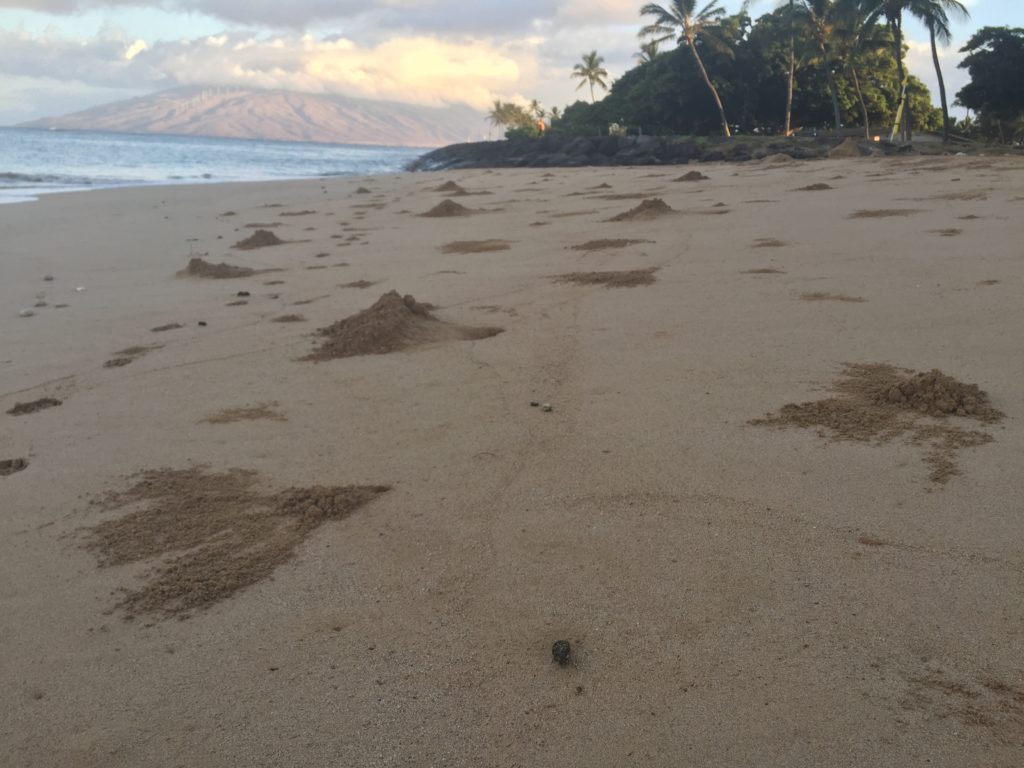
[
  {"x": 792, "y": 71},
  {"x": 897, "y": 37},
  {"x": 942, "y": 87},
  {"x": 831, "y": 84},
  {"x": 860, "y": 98},
  {"x": 592, "y": 100},
  {"x": 711, "y": 87}
]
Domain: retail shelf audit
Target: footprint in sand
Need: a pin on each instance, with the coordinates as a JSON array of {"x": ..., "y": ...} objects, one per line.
[
  {"x": 129, "y": 355},
  {"x": 10, "y": 466},
  {"x": 23, "y": 409},
  {"x": 621, "y": 279}
]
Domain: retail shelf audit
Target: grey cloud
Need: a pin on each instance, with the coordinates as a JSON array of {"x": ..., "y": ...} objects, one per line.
[{"x": 459, "y": 16}]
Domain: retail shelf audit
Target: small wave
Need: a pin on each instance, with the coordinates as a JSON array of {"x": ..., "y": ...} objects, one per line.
[{"x": 13, "y": 179}]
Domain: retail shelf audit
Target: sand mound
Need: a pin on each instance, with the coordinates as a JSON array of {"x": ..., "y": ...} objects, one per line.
[
  {"x": 693, "y": 176},
  {"x": 393, "y": 323},
  {"x": 818, "y": 187},
  {"x": 260, "y": 411},
  {"x": 882, "y": 213},
  {"x": 208, "y": 535},
  {"x": 21, "y": 409},
  {"x": 933, "y": 393},
  {"x": 447, "y": 208},
  {"x": 768, "y": 242},
  {"x": 778, "y": 158},
  {"x": 846, "y": 148},
  {"x": 261, "y": 238},
  {"x": 362, "y": 191},
  {"x": 647, "y": 210},
  {"x": 198, "y": 267},
  {"x": 626, "y": 279},
  {"x": 879, "y": 403},
  {"x": 476, "y": 246},
  {"x": 452, "y": 188},
  {"x": 603, "y": 245},
  {"x": 10, "y": 466},
  {"x": 826, "y": 296},
  {"x": 288, "y": 319}
]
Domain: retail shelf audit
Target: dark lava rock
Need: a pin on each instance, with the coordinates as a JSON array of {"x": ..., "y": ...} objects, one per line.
[{"x": 561, "y": 652}]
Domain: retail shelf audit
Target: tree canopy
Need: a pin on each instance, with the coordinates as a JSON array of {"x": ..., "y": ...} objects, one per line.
[
  {"x": 995, "y": 61},
  {"x": 748, "y": 64}
]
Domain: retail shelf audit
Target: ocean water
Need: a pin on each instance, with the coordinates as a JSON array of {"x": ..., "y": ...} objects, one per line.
[{"x": 35, "y": 161}]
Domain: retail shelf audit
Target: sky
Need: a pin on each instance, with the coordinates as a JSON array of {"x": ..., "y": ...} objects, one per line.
[{"x": 58, "y": 56}]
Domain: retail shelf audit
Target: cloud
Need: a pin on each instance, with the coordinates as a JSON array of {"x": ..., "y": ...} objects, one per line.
[
  {"x": 407, "y": 15},
  {"x": 415, "y": 69}
]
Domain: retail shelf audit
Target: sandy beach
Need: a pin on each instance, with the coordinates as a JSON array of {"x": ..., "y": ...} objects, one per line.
[{"x": 278, "y": 532}]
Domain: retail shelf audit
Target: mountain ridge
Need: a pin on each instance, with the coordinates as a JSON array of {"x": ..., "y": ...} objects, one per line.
[{"x": 276, "y": 115}]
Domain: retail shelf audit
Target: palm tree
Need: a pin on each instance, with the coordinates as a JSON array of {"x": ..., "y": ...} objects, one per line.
[
  {"x": 792, "y": 67},
  {"x": 892, "y": 10},
  {"x": 820, "y": 17},
  {"x": 681, "y": 16},
  {"x": 854, "y": 34},
  {"x": 935, "y": 16},
  {"x": 536, "y": 109},
  {"x": 590, "y": 71},
  {"x": 555, "y": 114},
  {"x": 648, "y": 51}
]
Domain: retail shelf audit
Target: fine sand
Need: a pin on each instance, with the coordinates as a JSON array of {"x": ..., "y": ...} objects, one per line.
[{"x": 773, "y": 507}]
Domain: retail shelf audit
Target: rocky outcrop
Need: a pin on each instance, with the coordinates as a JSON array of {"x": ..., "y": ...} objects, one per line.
[{"x": 570, "y": 152}]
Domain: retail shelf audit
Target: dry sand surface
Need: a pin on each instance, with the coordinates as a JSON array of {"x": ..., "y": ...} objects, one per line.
[{"x": 774, "y": 507}]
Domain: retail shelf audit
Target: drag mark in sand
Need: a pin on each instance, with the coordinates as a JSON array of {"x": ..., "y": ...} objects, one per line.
[
  {"x": 208, "y": 535},
  {"x": 879, "y": 403},
  {"x": 289, "y": 319},
  {"x": 768, "y": 242},
  {"x": 168, "y": 327}
]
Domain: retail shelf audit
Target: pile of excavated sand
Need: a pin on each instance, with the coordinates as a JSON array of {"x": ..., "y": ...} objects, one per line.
[
  {"x": 261, "y": 238},
  {"x": 692, "y": 176},
  {"x": 393, "y": 323},
  {"x": 445, "y": 209},
  {"x": 880, "y": 403},
  {"x": 647, "y": 210},
  {"x": 209, "y": 535},
  {"x": 198, "y": 267}
]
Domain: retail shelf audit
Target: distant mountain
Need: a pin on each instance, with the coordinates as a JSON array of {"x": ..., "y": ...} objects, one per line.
[{"x": 278, "y": 115}]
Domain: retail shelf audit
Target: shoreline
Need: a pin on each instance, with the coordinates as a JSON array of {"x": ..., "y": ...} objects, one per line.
[{"x": 401, "y": 536}]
